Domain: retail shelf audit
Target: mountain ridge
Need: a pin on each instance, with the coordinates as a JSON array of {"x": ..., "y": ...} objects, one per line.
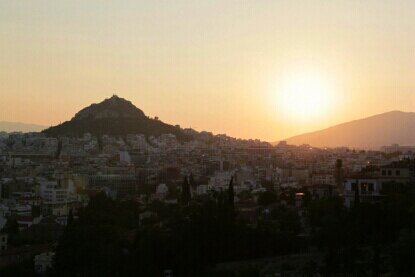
[
  {"x": 369, "y": 132},
  {"x": 9, "y": 126}
]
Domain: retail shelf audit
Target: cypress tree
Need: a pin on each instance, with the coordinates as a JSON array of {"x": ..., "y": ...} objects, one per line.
[
  {"x": 185, "y": 199},
  {"x": 70, "y": 218},
  {"x": 192, "y": 181},
  {"x": 231, "y": 196},
  {"x": 338, "y": 174},
  {"x": 356, "y": 193}
]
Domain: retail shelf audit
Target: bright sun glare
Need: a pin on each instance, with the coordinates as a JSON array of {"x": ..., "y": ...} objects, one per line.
[{"x": 304, "y": 96}]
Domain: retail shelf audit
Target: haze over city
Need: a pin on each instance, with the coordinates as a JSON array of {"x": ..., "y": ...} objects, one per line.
[
  {"x": 276, "y": 68},
  {"x": 204, "y": 138}
]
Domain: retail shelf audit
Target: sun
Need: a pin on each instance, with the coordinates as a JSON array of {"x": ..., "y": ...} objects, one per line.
[{"x": 304, "y": 96}]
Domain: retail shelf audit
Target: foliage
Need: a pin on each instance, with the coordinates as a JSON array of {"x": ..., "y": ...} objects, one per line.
[
  {"x": 366, "y": 240},
  {"x": 186, "y": 239},
  {"x": 359, "y": 239},
  {"x": 186, "y": 195},
  {"x": 267, "y": 198},
  {"x": 25, "y": 268}
]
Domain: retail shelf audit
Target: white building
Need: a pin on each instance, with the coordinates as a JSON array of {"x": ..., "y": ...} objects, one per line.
[
  {"x": 4, "y": 210},
  {"x": 322, "y": 179},
  {"x": 21, "y": 210},
  {"x": 43, "y": 262},
  {"x": 162, "y": 190},
  {"x": 125, "y": 157},
  {"x": 369, "y": 190},
  {"x": 220, "y": 180},
  {"x": 202, "y": 189},
  {"x": 52, "y": 193}
]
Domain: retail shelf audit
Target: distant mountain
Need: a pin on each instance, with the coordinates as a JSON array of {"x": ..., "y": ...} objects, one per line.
[
  {"x": 19, "y": 127},
  {"x": 114, "y": 116},
  {"x": 372, "y": 132}
]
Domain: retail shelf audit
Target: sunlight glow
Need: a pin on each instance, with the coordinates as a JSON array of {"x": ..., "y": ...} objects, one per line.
[{"x": 305, "y": 95}]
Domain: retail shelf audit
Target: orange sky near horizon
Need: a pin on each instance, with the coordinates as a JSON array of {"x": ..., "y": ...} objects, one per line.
[{"x": 234, "y": 67}]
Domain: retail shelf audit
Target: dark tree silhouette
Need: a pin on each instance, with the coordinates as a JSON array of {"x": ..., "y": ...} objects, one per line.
[
  {"x": 186, "y": 196},
  {"x": 70, "y": 218},
  {"x": 356, "y": 194},
  {"x": 231, "y": 196},
  {"x": 339, "y": 174},
  {"x": 192, "y": 181},
  {"x": 267, "y": 198}
]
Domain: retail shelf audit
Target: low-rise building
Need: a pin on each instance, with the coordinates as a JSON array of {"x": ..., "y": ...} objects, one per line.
[
  {"x": 44, "y": 262},
  {"x": 322, "y": 179},
  {"x": 121, "y": 185},
  {"x": 369, "y": 189}
]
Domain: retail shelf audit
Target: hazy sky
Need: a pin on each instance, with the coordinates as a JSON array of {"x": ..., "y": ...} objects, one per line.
[{"x": 219, "y": 66}]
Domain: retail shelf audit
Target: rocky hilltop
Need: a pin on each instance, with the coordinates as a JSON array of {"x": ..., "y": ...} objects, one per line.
[
  {"x": 114, "y": 107},
  {"x": 114, "y": 116}
]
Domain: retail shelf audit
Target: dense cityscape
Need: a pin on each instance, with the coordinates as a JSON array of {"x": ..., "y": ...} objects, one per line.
[
  {"x": 205, "y": 205},
  {"x": 207, "y": 138}
]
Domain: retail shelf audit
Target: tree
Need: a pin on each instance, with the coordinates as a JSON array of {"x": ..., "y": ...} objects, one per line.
[
  {"x": 231, "y": 196},
  {"x": 403, "y": 254},
  {"x": 339, "y": 174},
  {"x": 95, "y": 244},
  {"x": 356, "y": 193},
  {"x": 186, "y": 196},
  {"x": 267, "y": 198},
  {"x": 192, "y": 181},
  {"x": 70, "y": 218}
]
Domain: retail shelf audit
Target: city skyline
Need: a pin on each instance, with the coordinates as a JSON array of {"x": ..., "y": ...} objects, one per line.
[
  {"x": 207, "y": 138},
  {"x": 208, "y": 65}
]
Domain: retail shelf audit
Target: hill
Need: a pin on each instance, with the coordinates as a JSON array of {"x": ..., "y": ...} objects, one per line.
[
  {"x": 114, "y": 116},
  {"x": 6, "y": 126},
  {"x": 372, "y": 132}
]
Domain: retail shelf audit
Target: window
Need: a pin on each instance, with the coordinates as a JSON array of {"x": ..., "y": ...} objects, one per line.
[
  {"x": 398, "y": 172},
  {"x": 383, "y": 172}
]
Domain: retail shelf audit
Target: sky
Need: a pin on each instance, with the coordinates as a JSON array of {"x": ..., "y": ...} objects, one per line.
[{"x": 251, "y": 69}]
